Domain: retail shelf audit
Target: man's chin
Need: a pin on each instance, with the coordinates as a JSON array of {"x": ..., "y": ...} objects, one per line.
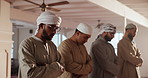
[
  {"x": 51, "y": 38},
  {"x": 82, "y": 43},
  {"x": 109, "y": 40},
  {"x": 48, "y": 38}
]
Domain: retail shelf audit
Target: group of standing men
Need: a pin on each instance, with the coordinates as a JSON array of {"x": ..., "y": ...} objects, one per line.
[{"x": 40, "y": 58}]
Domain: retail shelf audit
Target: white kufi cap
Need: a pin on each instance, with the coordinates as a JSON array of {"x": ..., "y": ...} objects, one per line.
[
  {"x": 84, "y": 28},
  {"x": 48, "y": 18}
]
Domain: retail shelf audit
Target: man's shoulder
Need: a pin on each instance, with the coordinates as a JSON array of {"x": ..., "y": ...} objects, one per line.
[
  {"x": 27, "y": 40},
  {"x": 98, "y": 43},
  {"x": 66, "y": 41},
  {"x": 123, "y": 40}
]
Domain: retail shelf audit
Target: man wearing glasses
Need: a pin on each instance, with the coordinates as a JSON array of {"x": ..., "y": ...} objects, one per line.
[
  {"x": 103, "y": 54},
  {"x": 38, "y": 55}
]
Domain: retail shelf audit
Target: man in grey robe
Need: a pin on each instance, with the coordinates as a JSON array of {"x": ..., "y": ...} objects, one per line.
[
  {"x": 103, "y": 54},
  {"x": 38, "y": 55},
  {"x": 78, "y": 63},
  {"x": 129, "y": 54}
]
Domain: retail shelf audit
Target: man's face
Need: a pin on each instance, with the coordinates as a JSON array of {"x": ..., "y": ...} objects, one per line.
[
  {"x": 109, "y": 36},
  {"x": 49, "y": 31},
  {"x": 132, "y": 33},
  {"x": 82, "y": 38}
]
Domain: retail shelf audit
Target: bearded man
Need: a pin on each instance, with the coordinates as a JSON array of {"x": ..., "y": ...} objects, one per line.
[
  {"x": 38, "y": 55},
  {"x": 103, "y": 54},
  {"x": 129, "y": 54}
]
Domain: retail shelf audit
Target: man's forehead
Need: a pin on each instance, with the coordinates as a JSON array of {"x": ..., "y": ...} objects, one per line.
[
  {"x": 53, "y": 25},
  {"x": 86, "y": 35}
]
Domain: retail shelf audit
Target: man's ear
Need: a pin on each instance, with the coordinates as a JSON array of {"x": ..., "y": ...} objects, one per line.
[
  {"x": 129, "y": 30},
  {"x": 77, "y": 33},
  {"x": 41, "y": 26},
  {"x": 105, "y": 33}
]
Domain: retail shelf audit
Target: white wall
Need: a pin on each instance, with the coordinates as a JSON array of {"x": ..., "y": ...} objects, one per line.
[{"x": 142, "y": 42}]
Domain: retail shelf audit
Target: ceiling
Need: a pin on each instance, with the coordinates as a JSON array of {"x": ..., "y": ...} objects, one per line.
[
  {"x": 84, "y": 10},
  {"x": 141, "y": 6}
]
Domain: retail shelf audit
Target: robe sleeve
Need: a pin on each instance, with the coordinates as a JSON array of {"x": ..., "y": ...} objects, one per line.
[
  {"x": 138, "y": 53},
  {"x": 70, "y": 64},
  {"x": 89, "y": 62},
  {"x": 126, "y": 51},
  {"x": 28, "y": 63},
  {"x": 99, "y": 52}
]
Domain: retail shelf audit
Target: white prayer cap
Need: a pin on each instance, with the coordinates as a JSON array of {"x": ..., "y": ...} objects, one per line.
[
  {"x": 130, "y": 26},
  {"x": 48, "y": 18},
  {"x": 107, "y": 28},
  {"x": 84, "y": 28}
]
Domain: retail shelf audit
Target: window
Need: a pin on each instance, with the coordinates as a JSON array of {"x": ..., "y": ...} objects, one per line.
[
  {"x": 58, "y": 38},
  {"x": 115, "y": 40}
]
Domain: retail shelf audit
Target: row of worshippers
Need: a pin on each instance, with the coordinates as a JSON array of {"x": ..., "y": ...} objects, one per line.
[{"x": 40, "y": 58}]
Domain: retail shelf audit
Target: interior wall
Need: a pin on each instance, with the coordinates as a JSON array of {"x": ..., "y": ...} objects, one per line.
[
  {"x": 27, "y": 33},
  {"x": 5, "y": 39},
  {"x": 142, "y": 42}
]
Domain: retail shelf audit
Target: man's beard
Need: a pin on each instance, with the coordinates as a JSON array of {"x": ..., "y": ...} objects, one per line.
[
  {"x": 107, "y": 38},
  {"x": 46, "y": 36},
  {"x": 130, "y": 36}
]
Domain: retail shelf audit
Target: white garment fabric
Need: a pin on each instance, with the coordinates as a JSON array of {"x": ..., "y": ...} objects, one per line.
[
  {"x": 48, "y": 18},
  {"x": 107, "y": 28},
  {"x": 84, "y": 28}
]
